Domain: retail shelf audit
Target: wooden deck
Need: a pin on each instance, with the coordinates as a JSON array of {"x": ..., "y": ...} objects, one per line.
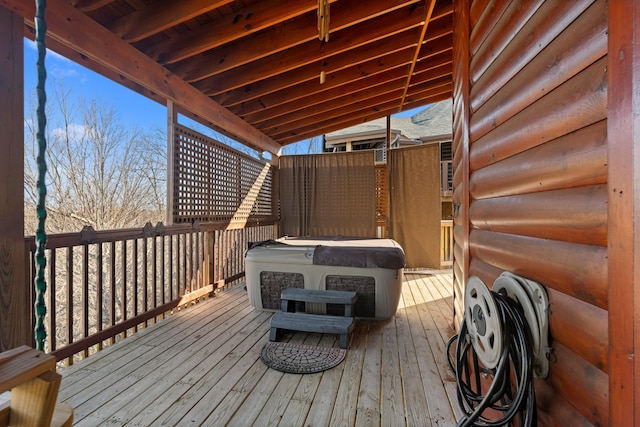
[{"x": 202, "y": 367}]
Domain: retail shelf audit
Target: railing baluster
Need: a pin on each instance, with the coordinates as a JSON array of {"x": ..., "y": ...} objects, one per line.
[
  {"x": 145, "y": 278},
  {"x": 112, "y": 278},
  {"x": 154, "y": 273},
  {"x": 189, "y": 259},
  {"x": 84, "y": 297},
  {"x": 123, "y": 283},
  {"x": 184, "y": 264},
  {"x": 70, "y": 298},
  {"x": 170, "y": 268},
  {"x": 100, "y": 284},
  {"x": 53, "y": 306},
  {"x": 134, "y": 280}
]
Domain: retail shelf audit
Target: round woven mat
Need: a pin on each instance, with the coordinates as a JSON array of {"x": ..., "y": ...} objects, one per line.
[{"x": 300, "y": 358}]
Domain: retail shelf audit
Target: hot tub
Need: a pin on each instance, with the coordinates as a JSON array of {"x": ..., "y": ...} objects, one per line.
[{"x": 371, "y": 267}]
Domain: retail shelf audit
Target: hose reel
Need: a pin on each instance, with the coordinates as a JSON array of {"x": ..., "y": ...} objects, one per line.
[{"x": 503, "y": 343}]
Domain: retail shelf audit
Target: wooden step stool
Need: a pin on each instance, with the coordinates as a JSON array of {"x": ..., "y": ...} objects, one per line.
[
  {"x": 321, "y": 323},
  {"x": 31, "y": 377}
]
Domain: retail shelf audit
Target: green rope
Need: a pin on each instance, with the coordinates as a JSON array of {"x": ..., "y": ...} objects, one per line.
[{"x": 41, "y": 236}]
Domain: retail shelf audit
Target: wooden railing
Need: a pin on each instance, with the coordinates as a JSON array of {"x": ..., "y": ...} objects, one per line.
[
  {"x": 446, "y": 243},
  {"x": 104, "y": 285}
]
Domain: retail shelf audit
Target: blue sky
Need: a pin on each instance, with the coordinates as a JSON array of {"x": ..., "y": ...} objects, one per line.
[{"x": 133, "y": 109}]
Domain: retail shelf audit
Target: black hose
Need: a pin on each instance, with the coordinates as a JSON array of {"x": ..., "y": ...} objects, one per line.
[{"x": 511, "y": 393}]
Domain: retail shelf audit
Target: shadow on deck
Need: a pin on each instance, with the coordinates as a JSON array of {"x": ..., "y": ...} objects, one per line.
[{"x": 202, "y": 367}]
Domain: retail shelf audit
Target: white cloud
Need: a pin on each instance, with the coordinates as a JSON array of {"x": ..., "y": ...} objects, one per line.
[
  {"x": 76, "y": 132},
  {"x": 58, "y": 66}
]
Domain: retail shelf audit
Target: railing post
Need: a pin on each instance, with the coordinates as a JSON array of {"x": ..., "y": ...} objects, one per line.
[{"x": 15, "y": 296}]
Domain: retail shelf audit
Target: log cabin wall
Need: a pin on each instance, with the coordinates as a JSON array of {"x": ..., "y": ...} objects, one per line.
[{"x": 530, "y": 178}]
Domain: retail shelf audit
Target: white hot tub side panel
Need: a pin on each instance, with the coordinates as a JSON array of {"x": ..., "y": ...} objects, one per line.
[{"x": 287, "y": 259}]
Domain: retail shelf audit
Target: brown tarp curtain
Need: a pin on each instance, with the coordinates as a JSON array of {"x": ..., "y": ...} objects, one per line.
[
  {"x": 415, "y": 203},
  {"x": 328, "y": 194}
]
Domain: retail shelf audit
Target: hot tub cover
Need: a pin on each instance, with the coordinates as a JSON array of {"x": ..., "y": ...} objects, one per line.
[{"x": 348, "y": 251}]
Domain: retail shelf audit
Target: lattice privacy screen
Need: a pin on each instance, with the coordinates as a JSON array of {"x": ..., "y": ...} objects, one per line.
[{"x": 213, "y": 182}]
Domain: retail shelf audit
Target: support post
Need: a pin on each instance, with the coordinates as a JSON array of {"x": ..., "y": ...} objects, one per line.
[
  {"x": 623, "y": 142},
  {"x": 15, "y": 296},
  {"x": 172, "y": 119}
]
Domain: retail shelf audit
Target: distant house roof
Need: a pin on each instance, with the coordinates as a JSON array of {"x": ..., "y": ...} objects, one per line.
[{"x": 434, "y": 123}]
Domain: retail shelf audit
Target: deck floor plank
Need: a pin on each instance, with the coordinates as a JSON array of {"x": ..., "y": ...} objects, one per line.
[
  {"x": 432, "y": 363},
  {"x": 201, "y": 366},
  {"x": 392, "y": 404},
  {"x": 196, "y": 403},
  {"x": 415, "y": 400},
  {"x": 368, "y": 409}
]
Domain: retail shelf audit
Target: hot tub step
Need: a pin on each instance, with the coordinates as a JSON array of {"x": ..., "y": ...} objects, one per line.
[
  {"x": 347, "y": 298},
  {"x": 319, "y": 323}
]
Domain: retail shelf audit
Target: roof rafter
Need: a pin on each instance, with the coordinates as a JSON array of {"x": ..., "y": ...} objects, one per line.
[
  {"x": 428, "y": 11},
  {"x": 244, "y": 22},
  {"x": 280, "y": 38},
  {"x": 352, "y": 38},
  {"x": 367, "y": 53},
  {"x": 158, "y": 16}
]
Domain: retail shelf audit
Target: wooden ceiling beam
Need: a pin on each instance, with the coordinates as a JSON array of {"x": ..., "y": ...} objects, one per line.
[
  {"x": 90, "y": 5},
  {"x": 341, "y": 122},
  {"x": 433, "y": 73},
  {"x": 417, "y": 94},
  {"x": 159, "y": 16},
  {"x": 254, "y": 18},
  {"x": 281, "y": 37},
  {"x": 428, "y": 8},
  {"x": 321, "y": 96},
  {"x": 285, "y": 103},
  {"x": 82, "y": 34},
  {"x": 442, "y": 9},
  {"x": 428, "y": 63},
  {"x": 370, "y": 52},
  {"x": 357, "y": 102},
  {"x": 341, "y": 82},
  {"x": 426, "y": 100},
  {"x": 431, "y": 83},
  {"x": 296, "y": 118},
  {"x": 386, "y": 26}
]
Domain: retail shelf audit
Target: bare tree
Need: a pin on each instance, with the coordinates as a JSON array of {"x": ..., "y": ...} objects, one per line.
[
  {"x": 101, "y": 173},
  {"x": 307, "y": 146}
]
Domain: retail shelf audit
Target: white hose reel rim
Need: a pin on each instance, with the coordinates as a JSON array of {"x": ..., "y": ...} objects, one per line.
[
  {"x": 515, "y": 291},
  {"x": 483, "y": 322}
]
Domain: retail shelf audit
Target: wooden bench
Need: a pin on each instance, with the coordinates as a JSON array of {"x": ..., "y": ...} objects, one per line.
[
  {"x": 31, "y": 377},
  {"x": 320, "y": 323}
]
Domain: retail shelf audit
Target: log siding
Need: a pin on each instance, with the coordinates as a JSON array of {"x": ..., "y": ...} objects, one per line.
[{"x": 536, "y": 199}]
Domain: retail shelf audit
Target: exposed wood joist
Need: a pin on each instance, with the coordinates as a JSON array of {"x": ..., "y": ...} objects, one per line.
[
  {"x": 250, "y": 69},
  {"x": 370, "y": 32},
  {"x": 280, "y": 38},
  {"x": 367, "y": 90},
  {"x": 330, "y": 95},
  {"x": 367, "y": 53},
  {"x": 428, "y": 11},
  {"x": 159, "y": 16},
  {"x": 229, "y": 28}
]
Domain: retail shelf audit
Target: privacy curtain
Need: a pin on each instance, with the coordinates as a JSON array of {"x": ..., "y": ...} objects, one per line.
[
  {"x": 415, "y": 203},
  {"x": 328, "y": 194}
]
